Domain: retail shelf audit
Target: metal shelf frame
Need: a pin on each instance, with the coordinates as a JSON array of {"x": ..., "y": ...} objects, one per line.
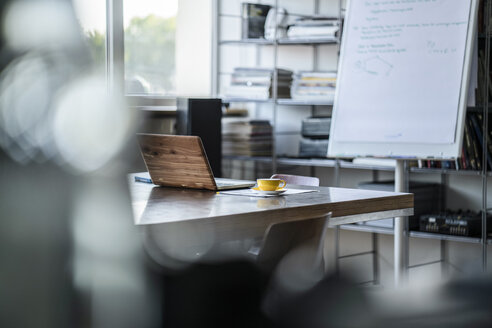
[
  {"x": 412, "y": 234},
  {"x": 327, "y": 162},
  {"x": 283, "y": 41},
  {"x": 485, "y": 129},
  {"x": 276, "y": 43},
  {"x": 295, "y": 102}
]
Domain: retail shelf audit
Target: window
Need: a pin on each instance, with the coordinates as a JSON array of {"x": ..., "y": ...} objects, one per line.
[
  {"x": 150, "y": 35},
  {"x": 134, "y": 42},
  {"x": 92, "y": 18}
]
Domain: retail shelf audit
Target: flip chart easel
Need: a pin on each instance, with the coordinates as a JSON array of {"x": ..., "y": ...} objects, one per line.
[{"x": 402, "y": 85}]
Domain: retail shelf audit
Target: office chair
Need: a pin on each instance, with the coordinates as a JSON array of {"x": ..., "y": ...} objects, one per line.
[
  {"x": 297, "y": 179},
  {"x": 295, "y": 237},
  {"x": 282, "y": 238}
]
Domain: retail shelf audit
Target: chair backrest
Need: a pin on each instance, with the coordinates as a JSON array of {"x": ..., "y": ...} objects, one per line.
[
  {"x": 282, "y": 238},
  {"x": 297, "y": 179},
  {"x": 300, "y": 268}
]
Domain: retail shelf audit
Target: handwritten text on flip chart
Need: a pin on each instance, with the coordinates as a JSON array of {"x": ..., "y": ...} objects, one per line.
[{"x": 401, "y": 71}]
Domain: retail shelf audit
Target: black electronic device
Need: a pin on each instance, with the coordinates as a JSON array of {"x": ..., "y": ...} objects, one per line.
[
  {"x": 467, "y": 224},
  {"x": 427, "y": 198},
  {"x": 202, "y": 117}
]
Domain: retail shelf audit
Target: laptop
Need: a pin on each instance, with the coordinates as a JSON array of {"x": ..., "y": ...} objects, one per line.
[{"x": 181, "y": 161}]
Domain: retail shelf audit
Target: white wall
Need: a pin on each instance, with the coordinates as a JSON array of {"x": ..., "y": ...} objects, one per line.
[{"x": 194, "y": 48}]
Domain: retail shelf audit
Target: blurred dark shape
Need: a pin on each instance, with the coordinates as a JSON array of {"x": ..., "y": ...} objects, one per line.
[
  {"x": 35, "y": 202},
  {"x": 71, "y": 256},
  {"x": 202, "y": 117},
  {"x": 35, "y": 246},
  {"x": 330, "y": 303},
  {"x": 476, "y": 295},
  {"x": 232, "y": 293},
  {"x": 465, "y": 302},
  {"x": 226, "y": 294}
]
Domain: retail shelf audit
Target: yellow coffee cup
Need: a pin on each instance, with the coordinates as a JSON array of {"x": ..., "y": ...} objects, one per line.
[{"x": 270, "y": 184}]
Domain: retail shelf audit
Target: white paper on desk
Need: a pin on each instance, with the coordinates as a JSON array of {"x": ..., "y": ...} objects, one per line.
[{"x": 251, "y": 193}]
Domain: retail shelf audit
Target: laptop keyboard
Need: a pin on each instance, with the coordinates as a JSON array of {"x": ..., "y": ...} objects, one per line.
[{"x": 224, "y": 184}]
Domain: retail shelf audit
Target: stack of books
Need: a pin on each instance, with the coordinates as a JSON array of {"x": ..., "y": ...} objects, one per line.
[
  {"x": 315, "y": 133},
  {"x": 314, "y": 86},
  {"x": 257, "y": 83},
  {"x": 481, "y": 94},
  {"x": 317, "y": 28},
  {"x": 471, "y": 153},
  {"x": 247, "y": 138},
  {"x": 471, "y": 150}
]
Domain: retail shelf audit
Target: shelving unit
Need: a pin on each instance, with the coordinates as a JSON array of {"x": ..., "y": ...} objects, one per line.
[
  {"x": 487, "y": 14},
  {"x": 321, "y": 162},
  {"x": 484, "y": 107},
  {"x": 274, "y": 102},
  {"x": 413, "y": 234}
]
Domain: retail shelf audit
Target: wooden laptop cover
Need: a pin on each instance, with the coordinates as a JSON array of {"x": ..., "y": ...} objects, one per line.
[{"x": 176, "y": 161}]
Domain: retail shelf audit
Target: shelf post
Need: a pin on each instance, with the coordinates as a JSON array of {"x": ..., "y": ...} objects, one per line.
[
  {"x": 399, "y": 265},
  {"x": 485, "y": 129},
  {"x": 215, "y": 49},
  {"x": 275, "y": 92}
]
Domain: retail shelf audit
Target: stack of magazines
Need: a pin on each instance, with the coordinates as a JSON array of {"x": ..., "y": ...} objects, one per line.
[
  {"x": 247, "y": 138},
  {"x": 257, "y": 83},
  {"x": 314, "y": 86},
  {"x": 315, "y": 133},
  {"x": 317, "y": 27}
]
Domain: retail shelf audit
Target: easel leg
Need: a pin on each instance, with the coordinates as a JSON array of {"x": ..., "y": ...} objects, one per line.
[{"x": 400, "y": 186}]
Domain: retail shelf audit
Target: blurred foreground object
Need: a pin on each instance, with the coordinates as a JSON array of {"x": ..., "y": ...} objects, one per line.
[{"x": 71, "y": 256}]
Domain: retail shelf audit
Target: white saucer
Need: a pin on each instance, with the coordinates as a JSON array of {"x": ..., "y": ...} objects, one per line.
[{"x": 268, "y": 192}]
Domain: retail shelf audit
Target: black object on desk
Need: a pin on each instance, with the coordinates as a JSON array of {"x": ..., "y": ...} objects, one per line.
[{"x": 202, "y": 117}]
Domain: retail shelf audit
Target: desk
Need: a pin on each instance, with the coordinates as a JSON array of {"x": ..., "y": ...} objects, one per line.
[{"x": 198, "y": 219}]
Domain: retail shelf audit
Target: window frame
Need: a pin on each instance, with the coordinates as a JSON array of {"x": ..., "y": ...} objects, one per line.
[{"x": 115, "y": 61}]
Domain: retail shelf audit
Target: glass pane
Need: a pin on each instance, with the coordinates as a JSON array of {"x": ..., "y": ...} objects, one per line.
[
  {"x": 150, "y": 35},
  {"x": 92, "y": 19}
]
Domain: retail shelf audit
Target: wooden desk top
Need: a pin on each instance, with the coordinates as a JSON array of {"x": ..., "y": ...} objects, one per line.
[
  {"x": 186, "y": 225},
  {"x": 159, "y": 205}
]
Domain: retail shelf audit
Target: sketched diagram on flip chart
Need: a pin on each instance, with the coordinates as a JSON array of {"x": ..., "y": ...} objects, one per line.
[{"x": 374, "y": 66}]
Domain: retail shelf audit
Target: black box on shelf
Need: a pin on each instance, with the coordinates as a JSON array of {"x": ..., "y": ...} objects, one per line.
[
  {"x": 316, "y": 127},
  {"x": 253, "y": 20},
  {"x": 313, "y": 147},
  {"x": 202, "y": 117},
  {"x": 426, "y": 200},
  {"x": 467, "y": 224}
]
